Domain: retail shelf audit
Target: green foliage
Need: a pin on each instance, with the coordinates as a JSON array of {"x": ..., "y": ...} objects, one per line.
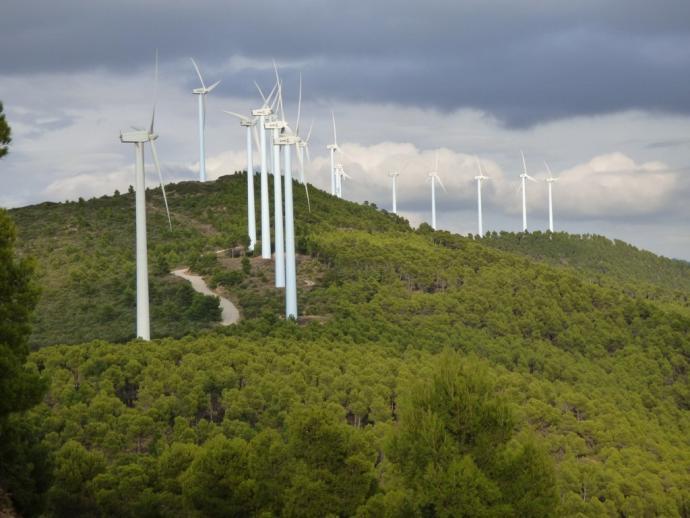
[
  {"x": 21, "y": 458},
  {"x": 641, "y": 273},
  {"x": 5, "y": 133},
  {"x": 430, "y": 375},
  {"x": 453, "y": 451}
]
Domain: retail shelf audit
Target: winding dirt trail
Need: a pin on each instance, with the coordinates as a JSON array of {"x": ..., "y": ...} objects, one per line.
[{"x": 230, "y": 314}]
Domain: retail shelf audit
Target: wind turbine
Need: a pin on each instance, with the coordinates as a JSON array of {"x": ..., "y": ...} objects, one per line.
[
  {"x": 139, "y": 137},
  {"x": 302, "y": 145},
  {"x": 278, "y": 124},
  {"x": 262, "y": 113},
  {"x": 202, "y": 92},
  {"x": 250, "y": 124},
  {"x": 479, "y": 179},
  {"x": 433, "y": 177},
  {"x": 394, "y": 176},
  {"x": 549, "y": 181},
  {"x": 524, "y": 176},
  {"x": 339, "y": 175},
  {"x": 287, "y": 139},
  {"x": 333, "y": 148}
]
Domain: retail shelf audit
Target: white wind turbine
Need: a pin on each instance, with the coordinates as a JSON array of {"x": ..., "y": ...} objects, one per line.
[
  {"x": 479, "y": 179},
  {"x": 394, "y": 176},
  {"x": 251, "y": 212},
  {"x": 302, "y": 145},
  {"x": 524, "y": 177},
  {"x": 434, "y": 177},
  {"x": 288, "y": 139},
  {"x": 263, "y": 113},
  {"x": 202, "y": 92},
  {"x": 549, "y": 181},
  {"x": 278, "y": 124},
  {"x": 139, "y": 137},
  {"x": 333, "y": 148},
  {"x": 339, "y": 175}
]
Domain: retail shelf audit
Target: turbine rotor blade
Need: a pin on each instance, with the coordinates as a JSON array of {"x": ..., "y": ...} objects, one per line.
[
  {"x": 238, "y": 115},
  {"x": 154, "y": 153},
  {"x": 155, "y": 94},
  {"x": 299, "y": 105},
  {"x": 311, "y": 126},
  {"x": 261, "y": 93},
  {"x": 335, "y": 133},
  {"x": 524, "y": 163},
  {"x": 210, "y": 88},
  {"x": 441, "y": 183},
  {"x": 198, "y": 72}
]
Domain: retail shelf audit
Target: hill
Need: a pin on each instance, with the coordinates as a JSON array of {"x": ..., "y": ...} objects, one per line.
[
  {"x": 603, "y": 260},
  {"x": 85, "y": 254},
  {"x": 441, "y": 375}
]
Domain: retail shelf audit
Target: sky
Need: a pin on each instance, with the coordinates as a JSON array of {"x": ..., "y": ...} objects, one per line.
[{"x": 598, "y": 89}]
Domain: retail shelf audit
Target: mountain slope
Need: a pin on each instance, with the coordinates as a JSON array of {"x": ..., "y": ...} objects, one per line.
[
  {"x": 603, "y": 259},
  {"x": 428, "y": 347}
]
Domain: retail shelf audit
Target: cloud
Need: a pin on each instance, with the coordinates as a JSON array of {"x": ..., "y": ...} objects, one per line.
[{"x": 522, "y": 62}]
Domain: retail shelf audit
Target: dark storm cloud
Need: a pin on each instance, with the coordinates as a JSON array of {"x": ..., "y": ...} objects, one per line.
[{"x": 521, "y": 61}]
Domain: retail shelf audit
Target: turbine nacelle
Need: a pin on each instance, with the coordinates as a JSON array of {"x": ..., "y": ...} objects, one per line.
[
  {"x": 275, "y": 124},
  {"x": 262, "y": 112},
  {"x": 393, "y": 174},
  {"x": 137, "y": 136},
  {"x": 288, "y": 140}
]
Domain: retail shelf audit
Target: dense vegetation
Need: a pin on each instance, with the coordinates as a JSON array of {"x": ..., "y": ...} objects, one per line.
[
  {"x": 603, "y": 259},
  {"x": 433, "y": 376}
]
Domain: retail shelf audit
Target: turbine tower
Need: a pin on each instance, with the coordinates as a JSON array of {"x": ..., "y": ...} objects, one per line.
[
  {"x": 524, "y": 177},
  {"x": 250, "y": 124},
  {"x": 202, "y": 92},
  {"x": 288, "y": 140},
  {"x": 549, "y": 181},
  {"x": 394, "y": 176},
  {"x": 479, "y": 179},
  {"x": 263, "y": 113},
  {"x": 139, "y": 137},
  {"x": 434, "y": 177}
]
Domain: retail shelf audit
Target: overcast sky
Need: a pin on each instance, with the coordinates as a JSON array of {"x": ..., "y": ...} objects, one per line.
[{"x": 597, "y": 88}]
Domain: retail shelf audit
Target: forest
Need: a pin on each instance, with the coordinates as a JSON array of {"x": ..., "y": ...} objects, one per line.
[{"x": 430, "y": 374}]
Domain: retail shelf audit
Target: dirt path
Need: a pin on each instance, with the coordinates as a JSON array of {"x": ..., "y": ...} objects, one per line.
[{"x": 230, "y": 313}]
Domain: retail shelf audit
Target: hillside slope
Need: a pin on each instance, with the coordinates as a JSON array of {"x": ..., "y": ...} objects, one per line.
[
  {"x": 603, "y": 260},
  {"x": 85, "y": 253}
]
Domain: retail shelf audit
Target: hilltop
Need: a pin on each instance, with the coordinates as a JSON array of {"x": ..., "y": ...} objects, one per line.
[{"x": 433, "y": 372}]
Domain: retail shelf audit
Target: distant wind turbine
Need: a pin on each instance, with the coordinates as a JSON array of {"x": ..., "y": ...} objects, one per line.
[
  {"x": 479, "y": 179},
  {"x": 202, "y": 92},
  {"x": 524, "y": 177},
  {"x": 333, "y": 148},
  {"x": 434, "y": 177},
  {"x": 339, "y": 175},
  {"x": 549, "y": 181},
  {"x": 394, "y": 176},
  {"x": 139, "y": 137},
  {"x": 251, "y": 212}
]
